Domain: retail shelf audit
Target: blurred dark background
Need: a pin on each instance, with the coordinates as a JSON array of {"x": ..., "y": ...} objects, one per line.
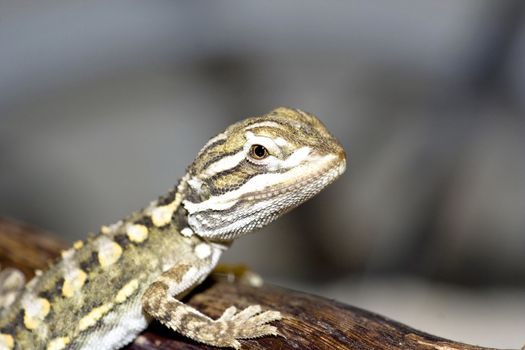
[{"x": 103, "y": 104}]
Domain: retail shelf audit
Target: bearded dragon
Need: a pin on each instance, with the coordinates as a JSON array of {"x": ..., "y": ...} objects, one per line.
[{"x": 104, "y": 291}]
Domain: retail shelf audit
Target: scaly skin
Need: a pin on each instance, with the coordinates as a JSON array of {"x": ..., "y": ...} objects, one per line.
[{"x": 104, "y": 290}]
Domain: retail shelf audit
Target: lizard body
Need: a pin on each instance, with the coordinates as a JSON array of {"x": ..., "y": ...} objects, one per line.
[{"x": 104, "y": 291}]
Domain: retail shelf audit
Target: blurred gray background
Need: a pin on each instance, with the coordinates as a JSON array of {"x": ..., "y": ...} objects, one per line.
[{"x": 103, "y": 104}]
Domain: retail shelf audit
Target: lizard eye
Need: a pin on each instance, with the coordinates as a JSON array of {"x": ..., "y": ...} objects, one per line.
[{"x": 258, "y": 152}]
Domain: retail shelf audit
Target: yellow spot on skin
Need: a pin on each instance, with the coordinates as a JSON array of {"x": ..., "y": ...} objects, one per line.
[
  {"x": 162, "y": 215},
  {"x": 6, "y": 341},
  {"x": 106, "y": 230},
  {"x": 109, "y": 253},
  {"x": 94, "y": 316},
  {"x": 127, "y": 291},
  {"x": 35, "y": 311},
  {"x": 78, "y": 245},
  {"x": 73, "y": 282},
  {"x": 58, "y": 343},
  {"x": 137, "y": 233}
]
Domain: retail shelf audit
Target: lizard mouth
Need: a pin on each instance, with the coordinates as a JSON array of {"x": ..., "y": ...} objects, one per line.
[
  {"x": 225, "y": 220},
  {"x": 307, "y": 185}
]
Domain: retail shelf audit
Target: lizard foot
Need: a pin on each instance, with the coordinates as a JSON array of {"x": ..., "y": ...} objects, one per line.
[{"x": 249, "y": 323}]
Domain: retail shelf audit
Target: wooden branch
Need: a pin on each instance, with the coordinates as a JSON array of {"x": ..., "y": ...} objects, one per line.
[
  {"x": 26, "y": 248},
  {"x": 310, "y": 322}
]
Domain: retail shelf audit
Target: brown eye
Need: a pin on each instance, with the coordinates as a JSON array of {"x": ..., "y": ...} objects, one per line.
[{"x": 258, "y": 152}]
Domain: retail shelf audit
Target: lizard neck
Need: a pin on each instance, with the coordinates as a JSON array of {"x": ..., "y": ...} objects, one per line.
[
  {"x": 169, "y": 214},
  {"x": 167, "y": 210}
]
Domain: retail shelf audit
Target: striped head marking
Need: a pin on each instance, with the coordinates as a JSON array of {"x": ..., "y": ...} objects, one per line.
[{"x": 258, "y": 169}]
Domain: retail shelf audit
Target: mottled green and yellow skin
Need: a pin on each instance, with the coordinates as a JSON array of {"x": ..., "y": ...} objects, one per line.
[
  {"x": 129, "y": 266},
  {"x": 103, "y": 291}
]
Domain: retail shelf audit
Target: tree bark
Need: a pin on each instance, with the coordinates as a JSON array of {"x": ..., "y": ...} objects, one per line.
[{"x": 310, "y": 322}]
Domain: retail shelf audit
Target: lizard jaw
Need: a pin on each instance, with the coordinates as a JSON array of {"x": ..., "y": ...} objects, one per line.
[{"x": 231, "y": 217}]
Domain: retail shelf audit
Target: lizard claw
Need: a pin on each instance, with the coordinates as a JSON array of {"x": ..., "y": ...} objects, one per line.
[
  {"x": 248, "y": 323},
  {"x": 252, "y": 322}
]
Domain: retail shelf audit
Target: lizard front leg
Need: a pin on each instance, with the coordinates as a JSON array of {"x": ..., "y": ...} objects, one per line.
[{"x": 161, "y": 301}]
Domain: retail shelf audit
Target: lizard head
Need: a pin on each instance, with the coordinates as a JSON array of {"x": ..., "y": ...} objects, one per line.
[{"x": 258, "y": 169}]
